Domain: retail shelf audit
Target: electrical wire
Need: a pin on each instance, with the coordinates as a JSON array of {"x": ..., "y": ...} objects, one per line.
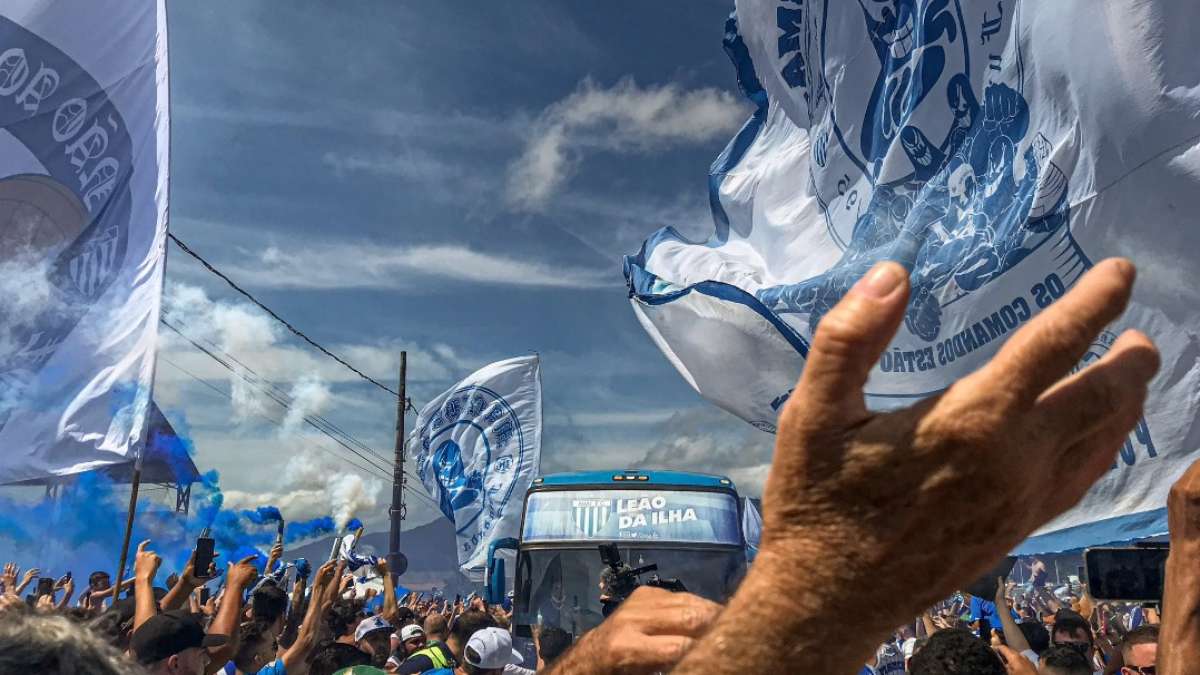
[
  {"x": 374, "y": 470},
  {"x": 295, "y": 331}
]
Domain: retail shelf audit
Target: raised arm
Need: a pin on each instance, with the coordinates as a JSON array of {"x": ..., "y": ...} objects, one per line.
[
  {"x": 1013, "y": 636},
  {"x": 188, "y": 582},
  {"x": 297, "y": 655},
  {"x": 30, "y": 575},
  {"x": 145, "y": 566},
  {"x": 237, "y": 580},
  {"x": 391, "y": 610}
]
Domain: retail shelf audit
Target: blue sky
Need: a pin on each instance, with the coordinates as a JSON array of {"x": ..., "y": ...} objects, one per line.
[{"x": 458, "y": 180}]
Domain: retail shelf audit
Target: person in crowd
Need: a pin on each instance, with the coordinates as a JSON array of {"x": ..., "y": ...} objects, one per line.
[
  {"x": 48, "y": 644},
  {"x": 1063, "y": 660},
  {"x": 268, "y": 606},
  {"x": 1139, "y": 651},
  {"x": 552, "y": 642},
  {"x": 1073, "y": 631},
  {"x": 447, "y": 656},
  {"x": 373, "y": 636},
  {"x": 956, "y": 651},
  {"x": 174, "y": 643},
  {"x": 488, "y": 651},
  {"x": 411, "y": 639}
]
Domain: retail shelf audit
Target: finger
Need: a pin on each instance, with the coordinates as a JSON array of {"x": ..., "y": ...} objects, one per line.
[
  {"x": 246, "y": 560},
  {"x": 1052, "y": 343},
  {"x": 142, "y": 546},
  {"x": 1110, "y": 387},
  {"x": 850, "y": 339},
  {"x": 1084, "y": 462}
]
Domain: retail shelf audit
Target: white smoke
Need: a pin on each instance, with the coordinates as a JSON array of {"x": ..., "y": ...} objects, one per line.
[
  {"x": 309, "y": 396},
  {"x": 311, "y": 487},
  {"x": 249, "y": 335}
]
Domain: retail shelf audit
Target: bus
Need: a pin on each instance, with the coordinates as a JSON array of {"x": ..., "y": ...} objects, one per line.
[{"x": 689, "y": 524}]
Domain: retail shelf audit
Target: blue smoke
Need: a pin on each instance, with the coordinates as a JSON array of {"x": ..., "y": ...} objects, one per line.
[
  {"x": 353, "y": 525},
  {"x": 263, "y": 515},
  {"x": 82, "y": 530}
]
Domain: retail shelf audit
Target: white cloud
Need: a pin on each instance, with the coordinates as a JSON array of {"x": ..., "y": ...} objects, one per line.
[
  {"x": 362, "y": 265},
  {"x": 623, "y": 118}
]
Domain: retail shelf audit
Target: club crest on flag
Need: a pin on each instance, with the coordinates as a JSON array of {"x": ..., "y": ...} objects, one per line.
[
  {"x": 66, "y": 206},
  {"x": 472, "y": 487}
]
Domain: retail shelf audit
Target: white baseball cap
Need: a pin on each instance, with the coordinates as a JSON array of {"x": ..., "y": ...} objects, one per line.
[
  {"x": 411, "y": 631},
  {"x": 493, "y": 646},
  {"x": 369, "y": 625}
]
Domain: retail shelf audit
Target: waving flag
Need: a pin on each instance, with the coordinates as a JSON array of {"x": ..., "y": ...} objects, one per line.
[
  {"x": 478, "y": 447},
  {"x": 996, "y": 149},
  {"x": 83, "y": 206}
]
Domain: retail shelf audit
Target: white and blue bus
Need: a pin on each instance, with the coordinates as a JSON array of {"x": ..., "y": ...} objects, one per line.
[{"x": 689, "y": 524}]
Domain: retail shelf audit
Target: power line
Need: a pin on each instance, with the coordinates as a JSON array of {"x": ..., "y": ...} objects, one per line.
[
  {"x": 228, "y": 366},
  {"x": 279, "y": 396},
  {"x": 296, "y": 331},
  {"x": 370, "y": 470}
]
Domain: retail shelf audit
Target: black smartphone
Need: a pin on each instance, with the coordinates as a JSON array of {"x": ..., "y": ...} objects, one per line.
[
  {"x": 204, "y": 594},
  {"x": 1130, "y": 574},
  {"x": 45, "y": 586},
  {"x": 984, "y": 587},
  {"x": 204, "y": 555}
]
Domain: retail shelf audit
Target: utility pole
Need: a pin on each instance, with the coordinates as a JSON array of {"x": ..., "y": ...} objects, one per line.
[{"x": 398, "y": 510}]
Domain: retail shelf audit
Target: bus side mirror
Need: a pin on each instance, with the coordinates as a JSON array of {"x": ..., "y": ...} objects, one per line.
[{"x": 494, "y": 579}]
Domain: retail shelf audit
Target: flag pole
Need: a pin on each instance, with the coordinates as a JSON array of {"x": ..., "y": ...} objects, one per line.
[
  {"x": 133, "y": 495},
  {"x": 398, "y": 509}
]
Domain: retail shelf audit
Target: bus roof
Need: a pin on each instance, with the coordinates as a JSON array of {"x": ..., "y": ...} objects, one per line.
[{"x": 622, "y": 477}]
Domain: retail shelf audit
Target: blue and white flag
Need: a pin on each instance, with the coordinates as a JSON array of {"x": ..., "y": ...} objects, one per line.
[
  {"x": 478, "y": 447},
  {"x": 83, "y": 216},
  {"x": 996, "y": 149}
]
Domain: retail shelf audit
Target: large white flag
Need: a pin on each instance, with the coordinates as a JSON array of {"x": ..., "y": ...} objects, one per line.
[
  {"x": 478, "y": 446},
  {"x": 83, "y": 205},
  {"x": 997, "y": 149}
]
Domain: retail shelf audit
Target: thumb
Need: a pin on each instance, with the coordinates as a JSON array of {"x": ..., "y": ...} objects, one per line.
[{"x": 850, "y": 340}]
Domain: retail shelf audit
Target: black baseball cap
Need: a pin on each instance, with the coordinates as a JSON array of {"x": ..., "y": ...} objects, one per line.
[{"x": 170, "y": 633}]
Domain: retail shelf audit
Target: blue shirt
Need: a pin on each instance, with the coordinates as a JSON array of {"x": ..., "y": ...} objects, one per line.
[
  {"x": 986, "y": 610},
  {"x": 276, "y": 668}
]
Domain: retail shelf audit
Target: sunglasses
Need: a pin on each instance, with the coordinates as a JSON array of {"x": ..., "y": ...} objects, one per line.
[{"x": 1139, "y": 670}]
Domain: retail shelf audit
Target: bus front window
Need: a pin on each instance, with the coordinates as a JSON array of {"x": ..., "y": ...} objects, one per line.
[{"x": 562, "y": 587}]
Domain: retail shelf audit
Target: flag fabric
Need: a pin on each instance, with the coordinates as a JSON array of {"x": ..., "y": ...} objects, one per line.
[
  {"x": 751, "y": 527},
  {"x": 997, "y": 150},
  {"x": 477, "y": 448},
  {"x": 83, "y": 216}
]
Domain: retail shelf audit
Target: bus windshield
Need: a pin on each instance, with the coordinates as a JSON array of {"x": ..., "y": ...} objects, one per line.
[
  {"x": 560, "y": 588},
  {"x": 694, "y": 516}
]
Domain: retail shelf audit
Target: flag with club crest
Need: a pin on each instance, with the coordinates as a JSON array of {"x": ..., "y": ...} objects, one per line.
[
  {"x": 83, "y": 216},
  {"x": 477, "y": 448},
  {"x": 997, "y": 150}
]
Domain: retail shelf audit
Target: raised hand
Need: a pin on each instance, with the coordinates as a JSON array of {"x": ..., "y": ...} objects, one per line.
[
  {"x": 850, "y": 488},
  {"x": 649, "y": 633},
  {"x": 146, "y": 563},
  {"x": 242, "y": 574},
  {"x": 10, "y": 578}
]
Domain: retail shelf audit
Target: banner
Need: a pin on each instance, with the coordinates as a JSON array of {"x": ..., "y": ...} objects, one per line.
[
  {"x": 995, "y": 149},
  {"x": 83, "y": 216},
  {"x": 478, "y": 447}
]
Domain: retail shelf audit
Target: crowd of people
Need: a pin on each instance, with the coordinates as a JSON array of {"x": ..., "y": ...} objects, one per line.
[
  {"x": 863, "y": 529},
  {"x": 259, "y": 622}
]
